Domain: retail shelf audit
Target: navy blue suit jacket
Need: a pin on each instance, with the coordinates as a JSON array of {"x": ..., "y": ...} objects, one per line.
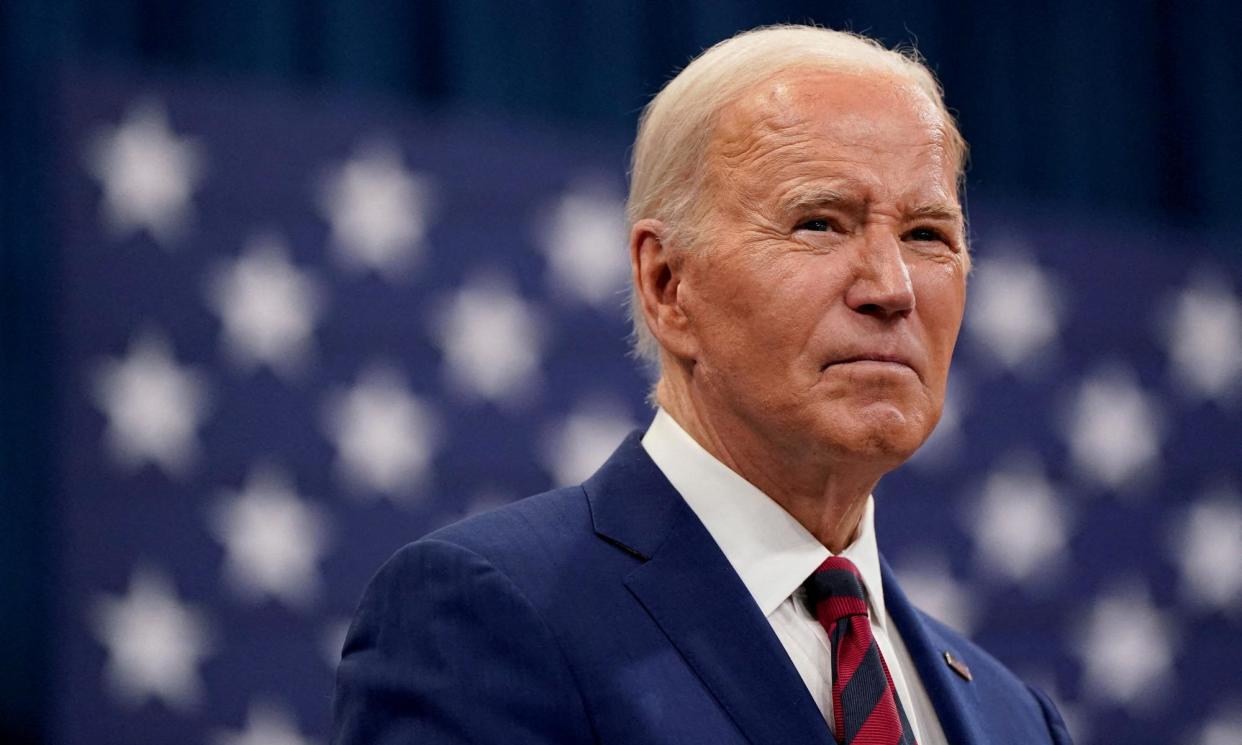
[{"x": 606, "y": 613}]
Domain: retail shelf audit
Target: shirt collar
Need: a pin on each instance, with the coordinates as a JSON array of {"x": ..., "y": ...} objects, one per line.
[{"x": 771, "y": 552}]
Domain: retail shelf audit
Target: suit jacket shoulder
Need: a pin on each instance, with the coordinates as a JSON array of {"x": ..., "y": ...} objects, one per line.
[
  {"x": 445, "y": 648},
  {"x": 532, "y": 539}
]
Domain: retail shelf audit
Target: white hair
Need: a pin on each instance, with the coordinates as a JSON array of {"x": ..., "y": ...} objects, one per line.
[{"x": 668, "y": 171}]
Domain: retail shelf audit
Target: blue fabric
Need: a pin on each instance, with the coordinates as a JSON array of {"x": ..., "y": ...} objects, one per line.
[{"x": 606, "y": 613}]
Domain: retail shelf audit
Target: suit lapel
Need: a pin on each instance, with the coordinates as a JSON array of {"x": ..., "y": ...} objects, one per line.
[
  {"x": 955, "y": 699},
  {"x": 692, "y": 592}
]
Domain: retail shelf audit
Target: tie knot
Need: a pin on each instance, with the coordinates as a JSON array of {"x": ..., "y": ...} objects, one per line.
[{"x": 835, "y": 590}]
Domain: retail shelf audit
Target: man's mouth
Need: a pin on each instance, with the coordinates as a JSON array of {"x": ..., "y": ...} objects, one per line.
[{"x": 880, "y": 361}]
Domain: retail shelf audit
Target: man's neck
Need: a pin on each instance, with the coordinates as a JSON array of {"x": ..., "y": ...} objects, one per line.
[{"x": 828, "y": 498}]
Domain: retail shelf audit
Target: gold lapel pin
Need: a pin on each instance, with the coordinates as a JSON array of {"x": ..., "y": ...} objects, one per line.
[{"x": 959, "y": 667}]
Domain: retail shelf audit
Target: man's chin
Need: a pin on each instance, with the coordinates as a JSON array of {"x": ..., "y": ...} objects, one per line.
[{"x": 880, "y": 431}]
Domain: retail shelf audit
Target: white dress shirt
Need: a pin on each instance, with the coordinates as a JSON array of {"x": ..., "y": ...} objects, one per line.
[{"x": 774, "y": 554}]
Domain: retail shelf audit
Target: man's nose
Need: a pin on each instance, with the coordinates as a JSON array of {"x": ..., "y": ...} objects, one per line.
[{"x": 881, "y": 286}]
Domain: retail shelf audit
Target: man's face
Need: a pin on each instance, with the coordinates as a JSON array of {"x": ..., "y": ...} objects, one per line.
[{"x": 826, "y": 297}]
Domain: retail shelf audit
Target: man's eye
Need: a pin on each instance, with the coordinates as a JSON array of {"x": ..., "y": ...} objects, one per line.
[
  {"x": 821, "y": 225},
  {"x": 926, "y": 234}
]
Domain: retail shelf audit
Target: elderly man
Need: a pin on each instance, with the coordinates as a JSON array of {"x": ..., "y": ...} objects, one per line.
[{"x": 799, "y": 263}]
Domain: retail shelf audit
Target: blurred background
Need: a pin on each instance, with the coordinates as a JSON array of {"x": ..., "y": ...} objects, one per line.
[{"x": 285, "y": 285}]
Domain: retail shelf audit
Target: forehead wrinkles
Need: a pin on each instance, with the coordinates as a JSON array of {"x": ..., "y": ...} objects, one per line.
[
  {"x": 755, "y": 139},
  {"x": 761, "y": 138}
]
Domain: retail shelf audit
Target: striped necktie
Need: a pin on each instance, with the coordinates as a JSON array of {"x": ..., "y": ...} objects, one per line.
[{"x": 864, "y": 702}]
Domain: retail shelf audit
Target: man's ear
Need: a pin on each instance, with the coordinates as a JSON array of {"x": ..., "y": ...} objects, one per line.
[{"x": 658, "y": 279}]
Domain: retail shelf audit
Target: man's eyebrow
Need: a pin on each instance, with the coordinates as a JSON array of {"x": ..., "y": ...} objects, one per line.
[
  {"x": 818, "y": 196},
  {"x": 829, "y": 196},
  {"x": 947, "y": 212}
]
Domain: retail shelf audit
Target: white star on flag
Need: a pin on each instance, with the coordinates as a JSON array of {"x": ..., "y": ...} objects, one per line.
[
  {"x": 384, "y": 436},
  {"x": 153, "y": 406},
  {"x": 933, "y": 588},
  {"x": 491, "y": 339},
  {"x": 147, "y": 173},
  {"x": 1126, "y": 646},
  {"x": 273, "y": 539},
  {"x": 586, "y": 437},
  {"x": 1203, "y": 336},
  {"x": 154, "y": 643},
  {"x": 1014, "y": 313},
  {"x": 1207, "y": 546},
  {"x": 584, "y": 237},
  {"x": 1019, "y": 522},
  {"x": 266, "y": 724},
  {"x": 267, "y": 306},
  {"x": 378, "y": 211},
  {"x": 1114, "y": 430},
  {"x": 1224, "y": 729}
]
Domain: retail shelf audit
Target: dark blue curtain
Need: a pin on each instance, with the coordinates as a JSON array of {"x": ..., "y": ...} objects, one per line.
[
  {"x": 1122, "y": 110},
  {"x": 1122, "y": 106}
]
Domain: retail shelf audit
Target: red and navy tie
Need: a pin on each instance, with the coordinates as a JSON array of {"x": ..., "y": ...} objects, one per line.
[{"x": 864, "y": 702}]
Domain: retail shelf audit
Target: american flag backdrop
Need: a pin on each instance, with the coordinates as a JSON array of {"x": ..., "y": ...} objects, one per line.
[{"x": 295, "y": 333}]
